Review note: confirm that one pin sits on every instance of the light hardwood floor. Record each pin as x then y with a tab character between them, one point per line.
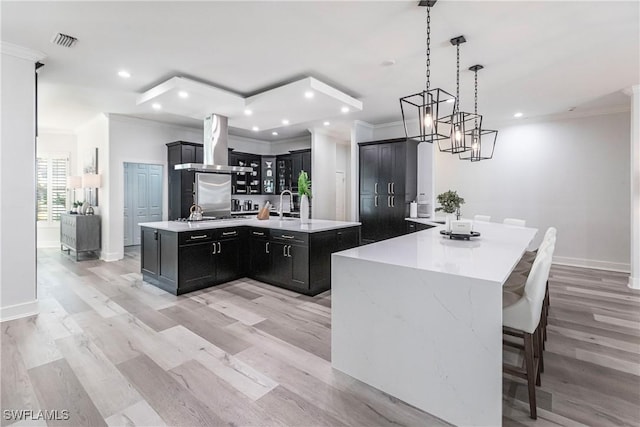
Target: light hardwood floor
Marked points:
113	350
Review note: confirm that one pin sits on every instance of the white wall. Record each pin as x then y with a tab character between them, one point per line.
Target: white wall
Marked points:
343	164
53	142
95	134
18	294
286	145
323	158
634	279
571	174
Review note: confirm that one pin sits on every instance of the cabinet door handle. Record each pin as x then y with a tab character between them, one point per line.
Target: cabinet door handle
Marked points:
393	201
155	235
376	201
203	236
229	233
393	188
284	250
286	236
375	188
388	201
266	248
219	247
289	251
215	248
388	187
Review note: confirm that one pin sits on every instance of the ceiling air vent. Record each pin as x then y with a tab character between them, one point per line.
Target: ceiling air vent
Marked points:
64	40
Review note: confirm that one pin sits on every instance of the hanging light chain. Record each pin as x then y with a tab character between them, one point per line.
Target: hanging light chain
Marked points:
475	105
457	106
428	76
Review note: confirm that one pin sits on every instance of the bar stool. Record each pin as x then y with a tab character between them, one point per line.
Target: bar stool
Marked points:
522	319
482	218
515	221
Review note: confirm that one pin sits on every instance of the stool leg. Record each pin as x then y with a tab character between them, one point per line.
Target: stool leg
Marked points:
539	352
531	375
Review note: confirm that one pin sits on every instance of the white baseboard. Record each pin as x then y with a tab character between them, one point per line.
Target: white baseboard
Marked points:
111	256
48	244
634	282
591	263
17	311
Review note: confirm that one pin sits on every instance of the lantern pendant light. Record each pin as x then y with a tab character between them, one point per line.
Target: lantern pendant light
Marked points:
458	140
483	141
423	112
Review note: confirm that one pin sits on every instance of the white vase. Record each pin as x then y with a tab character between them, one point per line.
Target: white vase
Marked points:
304	209
448	219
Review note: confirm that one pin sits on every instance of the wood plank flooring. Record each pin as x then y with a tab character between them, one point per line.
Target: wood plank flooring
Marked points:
113	350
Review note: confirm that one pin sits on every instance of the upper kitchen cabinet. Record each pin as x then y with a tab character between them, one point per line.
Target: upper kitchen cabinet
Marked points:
246	183
289	167
181	182
388	183
268	171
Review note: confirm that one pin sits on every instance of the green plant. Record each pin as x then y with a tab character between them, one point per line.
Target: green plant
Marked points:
449	202
77	204
304	184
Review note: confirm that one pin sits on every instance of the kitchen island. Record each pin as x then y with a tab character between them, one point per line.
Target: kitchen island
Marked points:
181	257
420	318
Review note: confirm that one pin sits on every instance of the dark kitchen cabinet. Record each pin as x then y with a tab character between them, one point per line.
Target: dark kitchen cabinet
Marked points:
284	173
159	257
413	227
181	182
259	254
245	183
228	256
300	161
196	265
388	183
149	253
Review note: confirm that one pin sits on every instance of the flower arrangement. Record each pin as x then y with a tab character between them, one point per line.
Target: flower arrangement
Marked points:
449	202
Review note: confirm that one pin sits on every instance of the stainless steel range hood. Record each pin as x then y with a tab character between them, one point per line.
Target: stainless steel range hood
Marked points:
216	154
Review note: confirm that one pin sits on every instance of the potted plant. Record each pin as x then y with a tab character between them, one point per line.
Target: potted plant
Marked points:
450	203
304	190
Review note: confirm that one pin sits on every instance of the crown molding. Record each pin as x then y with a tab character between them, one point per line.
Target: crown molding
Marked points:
363	124
569	115
21	52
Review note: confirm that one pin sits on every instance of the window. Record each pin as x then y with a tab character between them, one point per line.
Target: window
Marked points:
51	186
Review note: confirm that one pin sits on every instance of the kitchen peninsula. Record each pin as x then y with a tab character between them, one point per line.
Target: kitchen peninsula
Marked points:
181	257
420	318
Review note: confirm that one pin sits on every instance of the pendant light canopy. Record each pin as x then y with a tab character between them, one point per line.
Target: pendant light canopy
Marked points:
460	122
424	112
483	141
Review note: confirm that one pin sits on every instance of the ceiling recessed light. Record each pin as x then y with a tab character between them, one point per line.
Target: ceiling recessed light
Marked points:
285	122
326	123
308	94
248	112
451	101
517	115
255	128
388	62
183	94
124	74
274	133
156	106
345	109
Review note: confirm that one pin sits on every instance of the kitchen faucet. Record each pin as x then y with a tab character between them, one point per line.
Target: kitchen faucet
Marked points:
290	202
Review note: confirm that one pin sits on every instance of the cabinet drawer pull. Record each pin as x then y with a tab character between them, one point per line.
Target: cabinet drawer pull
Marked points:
229	233
286	236
257	233
203	236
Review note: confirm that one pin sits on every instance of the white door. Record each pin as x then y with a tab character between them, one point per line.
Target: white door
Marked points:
341	214
142	198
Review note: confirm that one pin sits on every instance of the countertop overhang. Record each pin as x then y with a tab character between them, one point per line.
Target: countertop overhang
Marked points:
289	224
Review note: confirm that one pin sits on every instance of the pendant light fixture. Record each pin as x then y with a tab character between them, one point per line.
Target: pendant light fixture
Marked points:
483	141
423	112
459	122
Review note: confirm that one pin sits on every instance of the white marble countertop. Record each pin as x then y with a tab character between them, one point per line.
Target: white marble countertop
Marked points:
492	256
288	224
428	221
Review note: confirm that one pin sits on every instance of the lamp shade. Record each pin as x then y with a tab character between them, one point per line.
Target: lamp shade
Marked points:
74	182
90	180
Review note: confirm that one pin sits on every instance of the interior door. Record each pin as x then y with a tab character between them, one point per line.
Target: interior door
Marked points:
141	198
128	202
143	188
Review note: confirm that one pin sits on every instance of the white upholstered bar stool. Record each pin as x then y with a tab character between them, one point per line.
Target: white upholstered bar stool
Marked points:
522	319
515	221
482	218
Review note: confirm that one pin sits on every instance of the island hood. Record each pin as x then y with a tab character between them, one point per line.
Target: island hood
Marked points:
216	153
